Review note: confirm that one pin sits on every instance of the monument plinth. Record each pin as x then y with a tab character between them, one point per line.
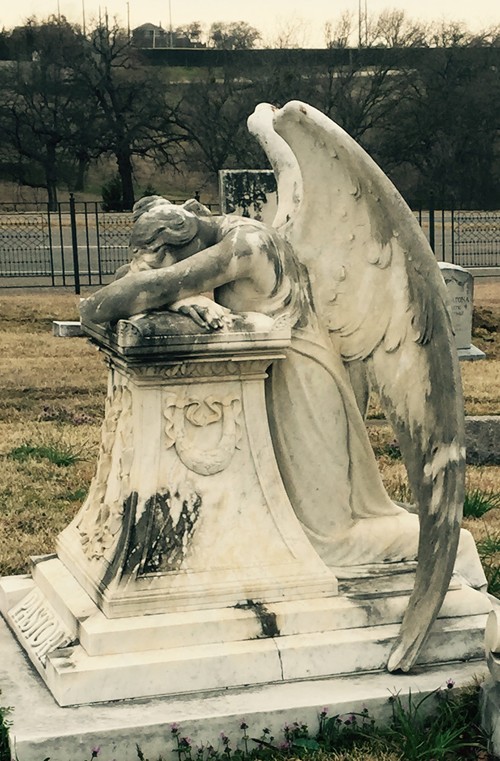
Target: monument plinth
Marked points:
187	510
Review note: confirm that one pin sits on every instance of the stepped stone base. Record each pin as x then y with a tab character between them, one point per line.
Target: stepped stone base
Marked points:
85	657
41	728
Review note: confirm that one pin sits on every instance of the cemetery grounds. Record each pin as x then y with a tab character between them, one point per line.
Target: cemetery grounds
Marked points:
52	393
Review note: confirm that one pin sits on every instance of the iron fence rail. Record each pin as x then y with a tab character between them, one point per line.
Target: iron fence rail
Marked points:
80	244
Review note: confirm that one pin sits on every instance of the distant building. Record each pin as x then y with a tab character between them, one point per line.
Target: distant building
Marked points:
153	36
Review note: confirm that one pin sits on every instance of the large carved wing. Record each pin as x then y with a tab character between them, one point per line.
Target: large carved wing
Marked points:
376	284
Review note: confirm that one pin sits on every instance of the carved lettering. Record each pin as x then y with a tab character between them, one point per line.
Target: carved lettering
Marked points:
41	628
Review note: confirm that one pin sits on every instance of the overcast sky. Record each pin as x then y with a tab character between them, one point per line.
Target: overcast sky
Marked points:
269	16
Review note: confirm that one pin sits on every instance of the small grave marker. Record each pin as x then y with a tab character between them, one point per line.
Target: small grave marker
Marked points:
460	284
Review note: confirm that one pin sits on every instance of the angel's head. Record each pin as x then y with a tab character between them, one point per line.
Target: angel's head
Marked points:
164	232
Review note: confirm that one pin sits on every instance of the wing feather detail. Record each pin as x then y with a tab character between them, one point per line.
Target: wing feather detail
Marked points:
350	221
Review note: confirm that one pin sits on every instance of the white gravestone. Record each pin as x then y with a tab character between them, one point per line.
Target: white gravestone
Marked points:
460	284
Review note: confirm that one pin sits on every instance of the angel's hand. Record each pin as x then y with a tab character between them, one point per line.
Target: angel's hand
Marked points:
205	312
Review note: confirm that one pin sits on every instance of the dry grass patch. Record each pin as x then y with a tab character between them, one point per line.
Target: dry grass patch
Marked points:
42	377
34	309
44	476
481	384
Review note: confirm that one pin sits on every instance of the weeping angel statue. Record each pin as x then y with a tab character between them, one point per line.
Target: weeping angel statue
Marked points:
349	265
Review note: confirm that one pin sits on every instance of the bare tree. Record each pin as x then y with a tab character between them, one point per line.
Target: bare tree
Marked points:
237	35
291	32
41	107
393	29
444	129
339	33
134	117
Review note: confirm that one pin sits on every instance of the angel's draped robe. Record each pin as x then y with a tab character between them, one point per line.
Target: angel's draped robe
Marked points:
328	466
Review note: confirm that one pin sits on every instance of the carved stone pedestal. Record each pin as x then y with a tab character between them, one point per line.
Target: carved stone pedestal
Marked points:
187	510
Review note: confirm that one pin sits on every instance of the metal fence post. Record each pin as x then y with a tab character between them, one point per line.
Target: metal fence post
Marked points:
452	212
74	242
432	228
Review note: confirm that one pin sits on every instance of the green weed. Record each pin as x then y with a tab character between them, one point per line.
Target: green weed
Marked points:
439	726
4	734
478	502
489	545
74	496
60	454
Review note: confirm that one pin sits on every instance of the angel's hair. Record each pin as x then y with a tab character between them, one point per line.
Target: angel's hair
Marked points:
146	204
163	225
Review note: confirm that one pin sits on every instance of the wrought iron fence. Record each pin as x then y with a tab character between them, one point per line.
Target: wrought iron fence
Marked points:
80	244
477	238
26	242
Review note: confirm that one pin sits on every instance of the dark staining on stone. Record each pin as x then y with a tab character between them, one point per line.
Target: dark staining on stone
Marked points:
155	543
266	618
166	542
118	564
271	249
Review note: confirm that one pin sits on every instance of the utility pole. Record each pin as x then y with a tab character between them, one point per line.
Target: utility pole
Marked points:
170	23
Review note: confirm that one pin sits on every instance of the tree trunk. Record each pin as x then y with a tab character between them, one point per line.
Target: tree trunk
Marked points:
51	177
124	161
82	166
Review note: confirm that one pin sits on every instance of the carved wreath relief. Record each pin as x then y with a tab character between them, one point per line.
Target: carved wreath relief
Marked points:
190	420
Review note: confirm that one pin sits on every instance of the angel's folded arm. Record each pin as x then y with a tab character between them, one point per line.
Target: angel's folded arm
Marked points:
142	291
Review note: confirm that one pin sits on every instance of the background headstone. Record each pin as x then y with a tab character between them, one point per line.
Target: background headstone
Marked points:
249	193
460	284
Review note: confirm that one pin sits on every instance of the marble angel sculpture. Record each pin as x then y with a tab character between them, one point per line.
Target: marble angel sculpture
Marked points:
348	264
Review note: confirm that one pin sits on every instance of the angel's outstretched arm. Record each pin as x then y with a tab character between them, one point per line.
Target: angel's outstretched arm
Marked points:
142	291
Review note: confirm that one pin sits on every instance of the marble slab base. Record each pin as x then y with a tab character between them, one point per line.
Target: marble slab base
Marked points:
67	329
85	657
471	353
41	728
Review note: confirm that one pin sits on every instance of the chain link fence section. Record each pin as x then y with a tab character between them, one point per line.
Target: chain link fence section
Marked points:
477	238
25	245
